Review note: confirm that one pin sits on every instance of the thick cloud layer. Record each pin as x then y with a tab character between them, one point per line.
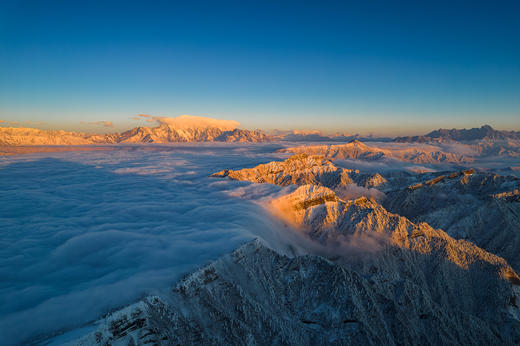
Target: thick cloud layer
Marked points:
82	233
86	232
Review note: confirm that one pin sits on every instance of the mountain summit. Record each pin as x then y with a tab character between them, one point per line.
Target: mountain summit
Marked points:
485	132
185	128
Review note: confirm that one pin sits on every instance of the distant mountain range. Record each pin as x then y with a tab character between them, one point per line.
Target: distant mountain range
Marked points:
356	150
164	133
200	129
485	132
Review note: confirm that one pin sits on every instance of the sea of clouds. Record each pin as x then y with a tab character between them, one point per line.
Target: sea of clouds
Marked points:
84	233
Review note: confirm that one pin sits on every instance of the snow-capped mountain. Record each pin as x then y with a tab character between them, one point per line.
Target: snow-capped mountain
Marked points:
352	150
485	132
303	169
357	150
180	129
27	136
167	133
421	287
478	206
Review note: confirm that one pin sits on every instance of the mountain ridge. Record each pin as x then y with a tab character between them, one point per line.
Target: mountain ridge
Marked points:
485	132
301	169
357	150
163	133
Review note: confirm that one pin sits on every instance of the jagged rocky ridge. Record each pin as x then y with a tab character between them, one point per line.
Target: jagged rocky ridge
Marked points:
161	134
258	296
167	134
356	150
478	206
485	132
303	169
326	217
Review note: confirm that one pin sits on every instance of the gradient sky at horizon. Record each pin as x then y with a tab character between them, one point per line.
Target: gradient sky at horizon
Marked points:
384	67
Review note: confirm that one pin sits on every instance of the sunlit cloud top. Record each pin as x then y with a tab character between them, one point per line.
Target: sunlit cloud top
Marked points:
193	121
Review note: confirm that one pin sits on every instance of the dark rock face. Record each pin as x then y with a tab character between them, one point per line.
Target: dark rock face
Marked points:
481	207
258	296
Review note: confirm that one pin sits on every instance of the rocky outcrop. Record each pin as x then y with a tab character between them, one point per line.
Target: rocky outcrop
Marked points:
238	135
303	169
161	134
485	132
481	207
324	216
357	150
168	134
258	296
352	150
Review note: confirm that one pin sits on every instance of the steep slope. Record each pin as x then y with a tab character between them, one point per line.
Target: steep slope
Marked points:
238	135
303	169
352	150
257	296
481	207
357	150
166	134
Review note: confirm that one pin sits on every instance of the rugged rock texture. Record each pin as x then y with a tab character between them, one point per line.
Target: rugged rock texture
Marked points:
481	207
256	296
326	216
303	169
162	134
166	134
485	132
357	150
353	150
238	135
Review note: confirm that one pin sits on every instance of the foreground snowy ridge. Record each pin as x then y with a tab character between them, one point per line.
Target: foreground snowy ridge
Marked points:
257	296
303	169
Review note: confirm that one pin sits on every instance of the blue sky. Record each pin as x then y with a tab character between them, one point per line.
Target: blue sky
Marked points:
385	67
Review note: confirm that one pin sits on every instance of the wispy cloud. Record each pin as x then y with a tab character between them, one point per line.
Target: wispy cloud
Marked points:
104	123
190	121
